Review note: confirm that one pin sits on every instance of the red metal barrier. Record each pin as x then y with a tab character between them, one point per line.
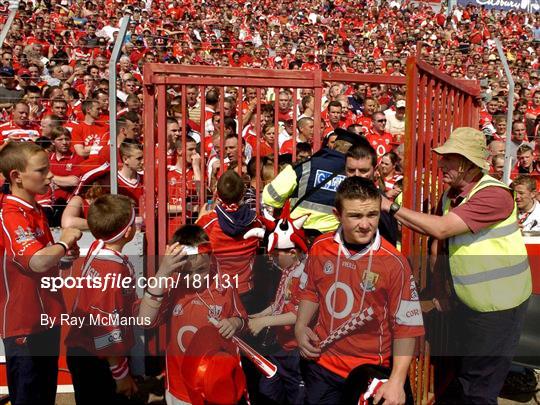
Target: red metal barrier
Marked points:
162	79
436	104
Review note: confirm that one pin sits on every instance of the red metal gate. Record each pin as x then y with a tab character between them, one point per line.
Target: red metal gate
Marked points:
436	104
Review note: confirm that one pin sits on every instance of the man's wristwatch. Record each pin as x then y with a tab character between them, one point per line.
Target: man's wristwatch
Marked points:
394	208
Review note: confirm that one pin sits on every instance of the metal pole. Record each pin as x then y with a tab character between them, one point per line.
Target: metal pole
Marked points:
7	25
509	113
450	9
112	101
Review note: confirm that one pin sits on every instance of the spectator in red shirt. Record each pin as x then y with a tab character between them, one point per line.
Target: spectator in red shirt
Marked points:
334	116
66	167
378	137
29	252
130	182
305	134
20	128
226	227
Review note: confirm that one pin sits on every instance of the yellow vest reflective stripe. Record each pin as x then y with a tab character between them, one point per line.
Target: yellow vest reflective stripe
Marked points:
283	186
490	269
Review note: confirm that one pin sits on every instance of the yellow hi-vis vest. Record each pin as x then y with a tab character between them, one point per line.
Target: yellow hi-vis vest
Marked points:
490	268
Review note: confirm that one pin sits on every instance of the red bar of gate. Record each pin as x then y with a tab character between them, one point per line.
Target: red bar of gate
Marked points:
436	104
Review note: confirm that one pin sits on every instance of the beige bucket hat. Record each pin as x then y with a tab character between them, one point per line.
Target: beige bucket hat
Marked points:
469	143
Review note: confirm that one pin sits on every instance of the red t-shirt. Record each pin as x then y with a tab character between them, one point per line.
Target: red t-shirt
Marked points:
16	132
95	136
336	280
485	208
381	143
101	333
24	232
69	165
133	189
235	255
175	194
185	312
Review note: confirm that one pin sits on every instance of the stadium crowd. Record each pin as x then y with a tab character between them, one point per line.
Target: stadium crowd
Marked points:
54	73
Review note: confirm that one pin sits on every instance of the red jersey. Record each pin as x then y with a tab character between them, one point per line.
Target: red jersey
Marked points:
366	122
104	311
234	254
13	131
185	311
24	232
175	194
94	136
67	165
133	189
337	280
381	143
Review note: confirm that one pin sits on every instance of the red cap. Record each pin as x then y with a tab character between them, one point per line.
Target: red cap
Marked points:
211	369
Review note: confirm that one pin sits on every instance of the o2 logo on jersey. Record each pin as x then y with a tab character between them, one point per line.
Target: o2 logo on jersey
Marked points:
368	281
332	185
328	267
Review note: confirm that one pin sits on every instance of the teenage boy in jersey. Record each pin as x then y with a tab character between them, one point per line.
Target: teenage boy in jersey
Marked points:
28	254
349	271
130	182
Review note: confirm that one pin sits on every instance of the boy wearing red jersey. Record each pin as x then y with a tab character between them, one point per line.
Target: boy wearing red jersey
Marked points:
199	294
351	271
226	226
98	347
28	255
177	190
130	182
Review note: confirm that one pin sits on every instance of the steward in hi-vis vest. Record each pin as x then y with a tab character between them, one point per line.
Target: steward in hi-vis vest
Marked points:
488	264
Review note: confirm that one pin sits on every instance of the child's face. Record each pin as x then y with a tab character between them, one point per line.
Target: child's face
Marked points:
36	178
284	258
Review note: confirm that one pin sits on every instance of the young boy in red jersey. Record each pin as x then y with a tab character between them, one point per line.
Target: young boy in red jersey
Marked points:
287	245
226	226
30	314
354	271
98	347
130	182
201	294
176	189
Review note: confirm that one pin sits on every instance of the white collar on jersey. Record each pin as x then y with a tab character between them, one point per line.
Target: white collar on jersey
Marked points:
375	245
20	201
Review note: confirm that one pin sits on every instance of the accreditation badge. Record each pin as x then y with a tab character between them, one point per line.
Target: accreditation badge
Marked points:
369	280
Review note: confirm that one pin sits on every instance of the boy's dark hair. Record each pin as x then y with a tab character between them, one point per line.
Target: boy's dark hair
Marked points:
190	235
363	150
15	156
126	148
303	147
230	187
108	215
356	188
178	143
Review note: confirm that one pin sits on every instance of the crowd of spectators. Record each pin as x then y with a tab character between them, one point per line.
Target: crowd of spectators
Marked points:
55	78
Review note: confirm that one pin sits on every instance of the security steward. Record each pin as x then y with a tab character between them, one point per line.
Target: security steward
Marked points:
312	186
488	263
